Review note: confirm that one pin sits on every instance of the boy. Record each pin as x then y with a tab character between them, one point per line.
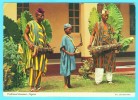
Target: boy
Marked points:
67	60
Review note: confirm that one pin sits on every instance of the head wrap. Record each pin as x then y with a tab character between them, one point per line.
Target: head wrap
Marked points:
67	25
40	10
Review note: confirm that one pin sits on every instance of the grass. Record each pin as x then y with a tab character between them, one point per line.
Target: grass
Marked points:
121	83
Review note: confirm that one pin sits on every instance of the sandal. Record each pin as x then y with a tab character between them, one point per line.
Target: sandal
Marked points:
39	88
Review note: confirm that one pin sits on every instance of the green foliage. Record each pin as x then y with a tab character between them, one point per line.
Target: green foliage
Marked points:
93	19
115	18
105	7
14	59
125	43
7	76
19	25
22	22
48	29
11	56
25	18
12	36
116	21
86	70
25	50
121	84
11	29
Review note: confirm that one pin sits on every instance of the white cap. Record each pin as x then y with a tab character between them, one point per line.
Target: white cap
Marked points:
105	11
67	25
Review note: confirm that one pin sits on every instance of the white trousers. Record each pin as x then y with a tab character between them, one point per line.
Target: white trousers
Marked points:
99	75
109	76
99	72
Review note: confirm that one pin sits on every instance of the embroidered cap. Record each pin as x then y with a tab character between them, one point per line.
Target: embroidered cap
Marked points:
67	25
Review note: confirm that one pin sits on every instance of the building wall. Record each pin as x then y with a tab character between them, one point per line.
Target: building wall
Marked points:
10	10
85	13
124	8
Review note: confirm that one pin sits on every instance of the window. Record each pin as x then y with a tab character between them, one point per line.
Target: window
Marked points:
74	15
21	7
132	19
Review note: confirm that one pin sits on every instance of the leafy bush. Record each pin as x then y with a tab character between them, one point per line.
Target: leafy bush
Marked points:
11	29
93	19
7	76
13	63
87	69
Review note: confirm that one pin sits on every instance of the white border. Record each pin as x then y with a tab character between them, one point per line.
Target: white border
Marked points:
69	94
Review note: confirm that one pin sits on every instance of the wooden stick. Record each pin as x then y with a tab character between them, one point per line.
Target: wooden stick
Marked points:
80	38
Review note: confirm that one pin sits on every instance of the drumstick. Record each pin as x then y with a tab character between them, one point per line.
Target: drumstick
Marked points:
80	38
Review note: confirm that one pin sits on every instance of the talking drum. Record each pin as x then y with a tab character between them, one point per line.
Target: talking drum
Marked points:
103	48
41	50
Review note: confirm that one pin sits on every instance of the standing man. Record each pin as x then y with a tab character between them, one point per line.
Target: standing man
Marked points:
105	61
35	37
